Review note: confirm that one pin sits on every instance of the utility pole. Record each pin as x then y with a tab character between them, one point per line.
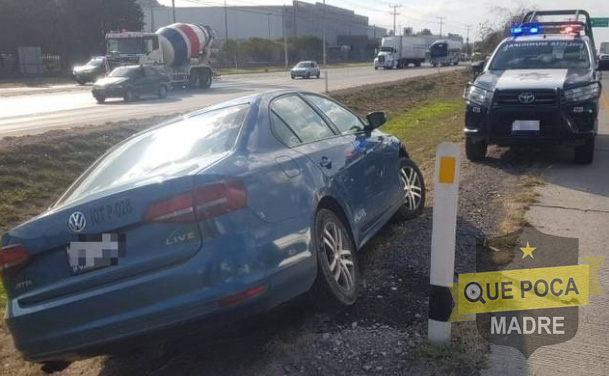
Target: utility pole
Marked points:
395	13
173	9
467	27
324	43
269	22
285	38
225	22
441	22
152	15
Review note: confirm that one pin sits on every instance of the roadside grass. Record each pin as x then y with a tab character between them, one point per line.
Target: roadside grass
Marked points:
466	350
518	204
35	82
35	170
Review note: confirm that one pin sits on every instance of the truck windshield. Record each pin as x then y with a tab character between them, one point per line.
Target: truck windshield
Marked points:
386	49
545	54
126	46
440	49
96	62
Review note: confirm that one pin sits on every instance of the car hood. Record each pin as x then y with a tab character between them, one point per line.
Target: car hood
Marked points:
108	81
533	78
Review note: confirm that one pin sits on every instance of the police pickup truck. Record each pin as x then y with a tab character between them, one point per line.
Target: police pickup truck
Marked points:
540	86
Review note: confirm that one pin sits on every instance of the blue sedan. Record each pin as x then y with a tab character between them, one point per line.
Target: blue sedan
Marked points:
235	208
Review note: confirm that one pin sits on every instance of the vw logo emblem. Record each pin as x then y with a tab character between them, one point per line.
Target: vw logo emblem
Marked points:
77	222
527	97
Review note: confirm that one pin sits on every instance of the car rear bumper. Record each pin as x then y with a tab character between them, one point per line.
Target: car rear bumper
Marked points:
230	277
568	125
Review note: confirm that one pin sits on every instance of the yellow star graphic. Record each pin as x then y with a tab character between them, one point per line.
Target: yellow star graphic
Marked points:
528	251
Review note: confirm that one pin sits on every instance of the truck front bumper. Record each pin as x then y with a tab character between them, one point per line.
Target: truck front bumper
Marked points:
570	124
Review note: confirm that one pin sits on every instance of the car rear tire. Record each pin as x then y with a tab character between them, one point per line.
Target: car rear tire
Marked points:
162	93
475	151
129	96
584	154
337	282
413	186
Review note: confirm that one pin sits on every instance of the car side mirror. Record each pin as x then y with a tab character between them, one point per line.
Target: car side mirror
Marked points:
376	119
478	67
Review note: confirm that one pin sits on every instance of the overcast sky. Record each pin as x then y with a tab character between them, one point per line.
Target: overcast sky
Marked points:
421	14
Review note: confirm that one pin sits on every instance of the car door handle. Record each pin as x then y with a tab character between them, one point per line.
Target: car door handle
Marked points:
325	162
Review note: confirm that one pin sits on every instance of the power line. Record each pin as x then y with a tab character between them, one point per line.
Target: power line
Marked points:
395	13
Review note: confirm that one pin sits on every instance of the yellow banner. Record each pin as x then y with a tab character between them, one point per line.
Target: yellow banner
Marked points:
522	289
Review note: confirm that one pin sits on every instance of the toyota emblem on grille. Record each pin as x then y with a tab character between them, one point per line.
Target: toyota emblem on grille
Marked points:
77	222
527	97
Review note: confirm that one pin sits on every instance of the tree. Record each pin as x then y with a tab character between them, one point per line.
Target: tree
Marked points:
424	32
492	32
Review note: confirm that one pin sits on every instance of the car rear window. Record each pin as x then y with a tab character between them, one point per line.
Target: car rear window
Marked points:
161	150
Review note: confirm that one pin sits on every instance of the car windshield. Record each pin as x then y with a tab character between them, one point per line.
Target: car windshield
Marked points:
544	54
303	64
96	62
176	146
129	72
126	46
386	49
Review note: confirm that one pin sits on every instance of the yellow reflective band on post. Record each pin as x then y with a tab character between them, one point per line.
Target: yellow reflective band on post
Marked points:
447	170
523	289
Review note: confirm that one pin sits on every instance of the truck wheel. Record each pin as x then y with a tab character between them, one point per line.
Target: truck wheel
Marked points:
417	64
162	93
584	154
475	151
205	80
337	282
376	68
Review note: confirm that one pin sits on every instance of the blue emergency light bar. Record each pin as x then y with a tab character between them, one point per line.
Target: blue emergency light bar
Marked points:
525	29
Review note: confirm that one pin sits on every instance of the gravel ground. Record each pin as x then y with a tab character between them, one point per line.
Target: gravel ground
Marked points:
383	333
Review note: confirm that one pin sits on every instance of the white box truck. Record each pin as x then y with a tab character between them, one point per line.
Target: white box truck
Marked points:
399	51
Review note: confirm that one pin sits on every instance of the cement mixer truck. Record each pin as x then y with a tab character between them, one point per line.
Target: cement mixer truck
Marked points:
182	49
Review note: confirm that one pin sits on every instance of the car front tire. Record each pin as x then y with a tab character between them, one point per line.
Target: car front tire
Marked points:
337	282
413	188
100	98
475	151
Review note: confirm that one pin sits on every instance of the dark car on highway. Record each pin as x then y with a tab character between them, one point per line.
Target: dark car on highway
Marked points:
540	86
225	211
132	81
94	70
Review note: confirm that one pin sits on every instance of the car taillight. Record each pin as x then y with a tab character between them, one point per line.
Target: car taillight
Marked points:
202	203
12	255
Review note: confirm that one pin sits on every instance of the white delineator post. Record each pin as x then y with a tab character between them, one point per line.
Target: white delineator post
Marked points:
443	239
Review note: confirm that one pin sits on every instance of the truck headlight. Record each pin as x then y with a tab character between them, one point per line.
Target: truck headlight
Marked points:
479	96
584	93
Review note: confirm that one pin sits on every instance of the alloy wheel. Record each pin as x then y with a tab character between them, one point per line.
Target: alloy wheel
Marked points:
411	184
338	255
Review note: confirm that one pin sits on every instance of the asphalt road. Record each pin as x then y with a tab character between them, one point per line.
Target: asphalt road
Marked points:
573	203
36	111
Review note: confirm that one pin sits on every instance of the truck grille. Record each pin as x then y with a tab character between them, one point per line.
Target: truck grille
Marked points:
512	98
381	59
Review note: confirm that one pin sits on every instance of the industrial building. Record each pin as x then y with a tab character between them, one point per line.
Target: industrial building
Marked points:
243	22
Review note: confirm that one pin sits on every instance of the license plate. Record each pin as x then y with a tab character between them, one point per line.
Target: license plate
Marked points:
92	252
525	126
